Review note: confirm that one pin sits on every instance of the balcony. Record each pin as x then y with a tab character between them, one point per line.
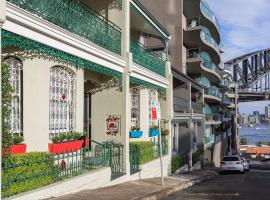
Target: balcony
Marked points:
199	62
212	118
197	107
146	59
77	18
212	95
225	101
200	36
180	105
209	139
207	12
201	10
209	40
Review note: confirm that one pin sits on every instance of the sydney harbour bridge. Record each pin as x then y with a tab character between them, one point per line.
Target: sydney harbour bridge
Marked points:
252	73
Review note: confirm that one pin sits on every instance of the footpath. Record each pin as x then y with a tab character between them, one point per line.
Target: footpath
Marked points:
146	189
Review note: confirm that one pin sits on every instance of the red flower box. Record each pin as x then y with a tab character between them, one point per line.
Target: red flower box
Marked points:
18	149
65	147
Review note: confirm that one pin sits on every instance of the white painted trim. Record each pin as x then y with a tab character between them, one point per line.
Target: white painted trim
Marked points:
149	76
30	26
149	20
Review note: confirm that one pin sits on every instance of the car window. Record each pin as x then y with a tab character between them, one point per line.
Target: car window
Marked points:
230	159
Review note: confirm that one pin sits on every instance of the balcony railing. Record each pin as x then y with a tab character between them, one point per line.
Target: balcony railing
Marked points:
212	117
196	53
226	101
209	40
180	105
147	59
197	107
213	92
209	13
77	18
209	139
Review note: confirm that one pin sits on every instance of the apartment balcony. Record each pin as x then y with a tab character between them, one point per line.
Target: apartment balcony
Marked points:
212	95
208	140
226	101
199	63
197	107
206	15
212	119
77	18
147	59
196	36
180	105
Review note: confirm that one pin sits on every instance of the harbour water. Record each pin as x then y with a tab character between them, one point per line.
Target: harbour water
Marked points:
256	133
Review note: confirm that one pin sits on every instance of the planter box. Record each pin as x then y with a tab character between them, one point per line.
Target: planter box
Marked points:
18	149
65	147
135	134
153	133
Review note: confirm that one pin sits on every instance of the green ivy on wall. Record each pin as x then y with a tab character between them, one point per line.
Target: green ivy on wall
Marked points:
7	91
36	49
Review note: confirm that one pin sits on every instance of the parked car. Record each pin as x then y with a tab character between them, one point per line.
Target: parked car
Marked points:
231	163
249	162
245	164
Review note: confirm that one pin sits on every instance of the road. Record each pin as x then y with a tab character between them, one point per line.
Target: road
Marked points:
253	185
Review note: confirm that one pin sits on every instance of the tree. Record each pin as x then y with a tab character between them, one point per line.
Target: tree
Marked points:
243	141
7	91
260	143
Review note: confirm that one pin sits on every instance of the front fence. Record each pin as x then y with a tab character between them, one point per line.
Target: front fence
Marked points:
30	171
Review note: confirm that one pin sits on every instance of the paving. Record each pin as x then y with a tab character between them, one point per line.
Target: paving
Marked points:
253	185
147	189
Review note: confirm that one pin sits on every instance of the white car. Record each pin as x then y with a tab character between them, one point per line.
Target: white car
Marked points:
231	163
245	164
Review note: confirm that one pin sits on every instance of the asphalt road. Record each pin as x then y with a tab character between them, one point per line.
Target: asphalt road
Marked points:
253	185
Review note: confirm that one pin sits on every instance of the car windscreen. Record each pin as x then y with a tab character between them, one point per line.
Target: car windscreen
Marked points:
230	159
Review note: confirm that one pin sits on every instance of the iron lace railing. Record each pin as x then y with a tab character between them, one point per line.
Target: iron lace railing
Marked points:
147	59
77	18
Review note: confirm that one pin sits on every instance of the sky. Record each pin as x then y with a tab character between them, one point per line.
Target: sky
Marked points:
245	27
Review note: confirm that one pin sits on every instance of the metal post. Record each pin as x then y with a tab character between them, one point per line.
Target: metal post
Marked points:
160	154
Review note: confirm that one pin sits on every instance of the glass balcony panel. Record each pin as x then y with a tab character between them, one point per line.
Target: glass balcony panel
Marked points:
147	59
207	38
209	13
76	18
213	91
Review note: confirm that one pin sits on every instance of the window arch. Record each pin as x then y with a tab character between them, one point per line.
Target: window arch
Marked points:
16	78
62	101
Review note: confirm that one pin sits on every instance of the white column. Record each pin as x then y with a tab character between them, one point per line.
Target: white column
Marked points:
169	104
125	84
2	20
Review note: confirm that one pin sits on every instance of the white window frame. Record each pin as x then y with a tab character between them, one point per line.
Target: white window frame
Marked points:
16	80
62	100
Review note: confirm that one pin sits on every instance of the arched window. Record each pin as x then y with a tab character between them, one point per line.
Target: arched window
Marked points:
16	79
62	101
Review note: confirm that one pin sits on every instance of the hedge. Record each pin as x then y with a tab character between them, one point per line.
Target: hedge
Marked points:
24	172
196	156
146	151
176	163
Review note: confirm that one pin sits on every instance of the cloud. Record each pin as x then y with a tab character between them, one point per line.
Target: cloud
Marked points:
245	25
